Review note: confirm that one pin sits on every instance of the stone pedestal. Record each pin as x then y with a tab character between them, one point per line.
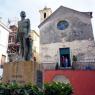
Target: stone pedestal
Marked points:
20	72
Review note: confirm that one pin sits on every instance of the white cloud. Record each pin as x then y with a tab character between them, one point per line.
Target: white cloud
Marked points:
12	8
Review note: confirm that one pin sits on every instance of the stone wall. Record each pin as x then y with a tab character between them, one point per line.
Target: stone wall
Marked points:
21	72
79	28
78	36
84	50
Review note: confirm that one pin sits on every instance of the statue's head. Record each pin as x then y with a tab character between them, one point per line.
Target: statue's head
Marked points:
23	14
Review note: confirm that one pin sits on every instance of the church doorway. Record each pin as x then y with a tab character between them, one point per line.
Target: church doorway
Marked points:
65	57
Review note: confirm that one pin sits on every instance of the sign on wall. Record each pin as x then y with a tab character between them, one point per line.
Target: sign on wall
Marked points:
39	80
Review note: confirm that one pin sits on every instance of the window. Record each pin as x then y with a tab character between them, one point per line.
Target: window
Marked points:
11	39
44	15
63	24
2	61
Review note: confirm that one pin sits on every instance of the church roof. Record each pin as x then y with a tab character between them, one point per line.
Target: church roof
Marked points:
87	14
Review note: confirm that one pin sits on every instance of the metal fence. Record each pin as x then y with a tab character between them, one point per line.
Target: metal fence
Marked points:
75	66
84	65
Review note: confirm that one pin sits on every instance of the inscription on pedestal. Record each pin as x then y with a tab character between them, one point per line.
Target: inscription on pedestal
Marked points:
20	72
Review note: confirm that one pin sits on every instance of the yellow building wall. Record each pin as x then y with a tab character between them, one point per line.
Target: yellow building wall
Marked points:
35	36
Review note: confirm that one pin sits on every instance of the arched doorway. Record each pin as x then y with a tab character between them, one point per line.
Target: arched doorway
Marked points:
61	78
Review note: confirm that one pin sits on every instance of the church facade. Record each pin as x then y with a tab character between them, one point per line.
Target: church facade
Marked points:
66	28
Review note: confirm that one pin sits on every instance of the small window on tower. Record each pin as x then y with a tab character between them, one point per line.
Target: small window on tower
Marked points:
44	15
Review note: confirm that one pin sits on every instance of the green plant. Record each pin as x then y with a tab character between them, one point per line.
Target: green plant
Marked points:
57	88
54	88
2	86
74	58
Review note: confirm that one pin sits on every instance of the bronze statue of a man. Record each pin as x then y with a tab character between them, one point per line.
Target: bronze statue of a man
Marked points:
24	38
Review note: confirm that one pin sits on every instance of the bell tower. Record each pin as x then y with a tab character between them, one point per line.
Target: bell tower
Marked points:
44	13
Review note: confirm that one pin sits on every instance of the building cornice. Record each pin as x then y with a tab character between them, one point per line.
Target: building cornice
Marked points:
4	26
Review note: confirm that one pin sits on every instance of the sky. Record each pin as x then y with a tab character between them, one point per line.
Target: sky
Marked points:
10	9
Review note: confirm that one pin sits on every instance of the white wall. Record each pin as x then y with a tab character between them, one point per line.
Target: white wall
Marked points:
4	34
